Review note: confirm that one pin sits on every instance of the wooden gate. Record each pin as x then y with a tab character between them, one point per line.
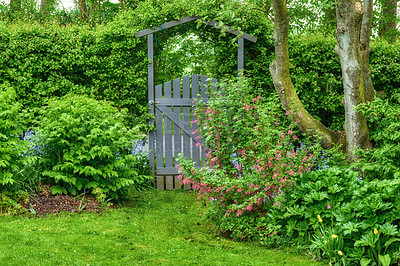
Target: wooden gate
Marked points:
171	103
174	132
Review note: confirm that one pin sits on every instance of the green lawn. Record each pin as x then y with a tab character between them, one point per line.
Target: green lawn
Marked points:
156	228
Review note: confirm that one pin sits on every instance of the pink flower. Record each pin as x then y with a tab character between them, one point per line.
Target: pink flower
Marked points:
291	172
294	137
329	206
249	207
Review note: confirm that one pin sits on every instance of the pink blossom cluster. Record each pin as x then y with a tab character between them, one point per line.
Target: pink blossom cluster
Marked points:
251	158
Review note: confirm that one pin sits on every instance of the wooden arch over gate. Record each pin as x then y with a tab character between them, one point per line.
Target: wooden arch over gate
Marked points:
162	100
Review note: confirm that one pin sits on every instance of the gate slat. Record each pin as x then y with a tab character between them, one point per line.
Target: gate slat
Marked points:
204	95
214	86
195	95
204	84
177	111
168	129
173	127
186	116
169	182
159	131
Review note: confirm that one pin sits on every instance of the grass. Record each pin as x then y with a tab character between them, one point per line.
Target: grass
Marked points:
158	228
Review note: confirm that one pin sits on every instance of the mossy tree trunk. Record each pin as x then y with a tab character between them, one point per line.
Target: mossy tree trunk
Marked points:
353	32
83	8
387	23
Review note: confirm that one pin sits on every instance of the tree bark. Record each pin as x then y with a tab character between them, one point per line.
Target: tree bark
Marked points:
366	50
83	8
387	23
43	6
349	15
353	35
283	84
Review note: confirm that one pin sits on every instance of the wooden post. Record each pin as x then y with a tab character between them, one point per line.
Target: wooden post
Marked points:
240	56
150	71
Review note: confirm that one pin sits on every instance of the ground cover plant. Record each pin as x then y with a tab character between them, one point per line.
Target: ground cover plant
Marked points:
156	227
288	190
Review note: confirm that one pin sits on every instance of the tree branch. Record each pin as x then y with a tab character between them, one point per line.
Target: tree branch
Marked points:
283	84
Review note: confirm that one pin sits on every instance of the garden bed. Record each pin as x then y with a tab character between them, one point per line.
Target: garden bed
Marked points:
44	202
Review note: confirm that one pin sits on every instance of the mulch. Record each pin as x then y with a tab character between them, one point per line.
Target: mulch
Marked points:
44	202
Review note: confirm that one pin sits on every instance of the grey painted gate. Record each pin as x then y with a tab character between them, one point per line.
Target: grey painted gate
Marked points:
171	103
174	132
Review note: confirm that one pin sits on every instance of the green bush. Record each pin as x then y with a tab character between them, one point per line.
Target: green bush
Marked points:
383	116
340	216
86	145
11	146
310	196
253	155
47	60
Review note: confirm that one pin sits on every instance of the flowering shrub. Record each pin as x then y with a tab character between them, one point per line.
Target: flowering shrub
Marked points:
253	154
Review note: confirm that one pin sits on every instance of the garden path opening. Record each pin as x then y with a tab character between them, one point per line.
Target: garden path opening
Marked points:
172	105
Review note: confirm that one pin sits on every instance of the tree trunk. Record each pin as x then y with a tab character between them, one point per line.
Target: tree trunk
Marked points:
43	6
350	28
365	50
283	84
83	9
387	23
352	34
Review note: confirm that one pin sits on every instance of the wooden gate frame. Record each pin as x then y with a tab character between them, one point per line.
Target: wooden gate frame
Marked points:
150	55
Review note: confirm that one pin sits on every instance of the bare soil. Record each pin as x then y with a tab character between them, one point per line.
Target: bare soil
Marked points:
44	202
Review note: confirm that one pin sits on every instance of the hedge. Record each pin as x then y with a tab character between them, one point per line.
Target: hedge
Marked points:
45	60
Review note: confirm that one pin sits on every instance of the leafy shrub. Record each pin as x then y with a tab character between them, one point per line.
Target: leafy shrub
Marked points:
253	155
86	145
318	192
11	147
383	116
340	216
12	203
48	60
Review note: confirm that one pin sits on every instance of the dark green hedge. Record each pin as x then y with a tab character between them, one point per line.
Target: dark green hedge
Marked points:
107	62
42	61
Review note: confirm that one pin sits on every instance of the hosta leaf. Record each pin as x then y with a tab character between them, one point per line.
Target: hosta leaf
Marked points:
385	260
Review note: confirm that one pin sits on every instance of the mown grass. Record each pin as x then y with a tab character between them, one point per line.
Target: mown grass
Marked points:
156	228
